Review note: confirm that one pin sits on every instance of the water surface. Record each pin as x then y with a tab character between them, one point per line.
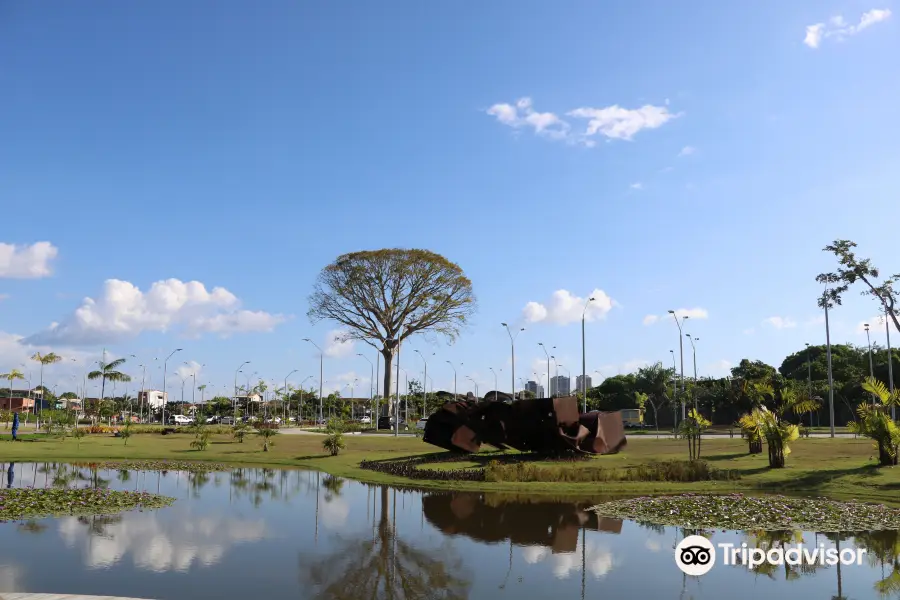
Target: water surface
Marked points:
265	533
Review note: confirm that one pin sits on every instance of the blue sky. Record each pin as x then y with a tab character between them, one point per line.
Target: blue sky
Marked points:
673	155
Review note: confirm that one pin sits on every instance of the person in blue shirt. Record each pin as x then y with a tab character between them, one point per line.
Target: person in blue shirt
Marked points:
15	426
10	475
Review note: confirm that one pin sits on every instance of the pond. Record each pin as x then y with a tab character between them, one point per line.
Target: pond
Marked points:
269	534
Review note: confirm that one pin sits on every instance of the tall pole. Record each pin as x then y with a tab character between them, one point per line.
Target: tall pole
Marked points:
454	378
674	389
234	398
808	373
681	353
424	382
694	349
871	368
141	405
547	354
890	357
397	406
828	351
512	344
495	382
475	384
321	375
583	359
377	377
165	384
286	391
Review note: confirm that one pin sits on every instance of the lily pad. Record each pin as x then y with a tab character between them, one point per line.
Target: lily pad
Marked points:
156	465
740	512
31	503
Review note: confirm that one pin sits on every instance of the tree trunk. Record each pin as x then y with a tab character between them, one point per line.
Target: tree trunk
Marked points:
776	457
388	356
756	446
884	457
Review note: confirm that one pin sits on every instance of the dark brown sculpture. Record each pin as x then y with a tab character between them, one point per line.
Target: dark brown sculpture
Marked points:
542	425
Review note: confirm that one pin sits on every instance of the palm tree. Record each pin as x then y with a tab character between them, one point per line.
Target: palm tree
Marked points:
108	372
45	359
875	421
11	376
771	424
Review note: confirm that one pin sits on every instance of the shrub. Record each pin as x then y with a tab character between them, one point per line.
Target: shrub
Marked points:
672	471
78	433
201	440
334	443
266	431
239	431
125	432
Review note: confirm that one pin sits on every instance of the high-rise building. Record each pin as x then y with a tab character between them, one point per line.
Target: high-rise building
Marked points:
560	386
578	386
535	388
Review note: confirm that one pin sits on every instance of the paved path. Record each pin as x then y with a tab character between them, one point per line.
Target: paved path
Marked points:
4	596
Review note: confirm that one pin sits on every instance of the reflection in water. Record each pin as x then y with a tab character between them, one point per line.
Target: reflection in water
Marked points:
10	474
384	566
156	545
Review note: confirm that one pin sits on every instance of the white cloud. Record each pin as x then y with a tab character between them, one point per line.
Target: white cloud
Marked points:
611	122
564	308
599	561
876	324
690	313
637	186
814	35
191	368
123	312
27	262
840	30
687	150
780	322
14	352
615	122
337	345
522	114
719	368
652	545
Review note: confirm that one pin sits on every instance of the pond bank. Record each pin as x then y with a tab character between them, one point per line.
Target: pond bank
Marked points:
840	468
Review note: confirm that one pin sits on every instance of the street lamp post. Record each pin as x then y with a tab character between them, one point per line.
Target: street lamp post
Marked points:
547	354
583	358
234	398
495	382
825	304
166	384
890	357
694	349
512	344
681	353
871	368
452	366
300	402
286	392
321	368
424	382
674	390
475	384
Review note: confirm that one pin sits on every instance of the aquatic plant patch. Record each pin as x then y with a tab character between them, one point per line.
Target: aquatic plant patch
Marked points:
156	465
410	468
741	512
29	503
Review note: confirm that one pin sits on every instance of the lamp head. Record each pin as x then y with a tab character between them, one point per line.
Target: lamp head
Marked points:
504	324
671	312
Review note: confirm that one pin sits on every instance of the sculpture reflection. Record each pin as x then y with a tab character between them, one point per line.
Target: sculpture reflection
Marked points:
491	518
384	566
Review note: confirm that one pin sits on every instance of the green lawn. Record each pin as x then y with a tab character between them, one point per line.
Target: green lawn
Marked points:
841	467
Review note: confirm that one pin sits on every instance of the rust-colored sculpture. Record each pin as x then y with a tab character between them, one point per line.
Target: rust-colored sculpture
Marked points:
542	425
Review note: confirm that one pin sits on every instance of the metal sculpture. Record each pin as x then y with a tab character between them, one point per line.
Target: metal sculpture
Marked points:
542	425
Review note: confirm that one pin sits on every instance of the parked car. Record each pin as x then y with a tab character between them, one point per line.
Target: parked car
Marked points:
227	420
388	423
421	423
212	420
368	420
181	420
276	420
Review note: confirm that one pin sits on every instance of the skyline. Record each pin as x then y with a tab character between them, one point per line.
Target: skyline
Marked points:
177	177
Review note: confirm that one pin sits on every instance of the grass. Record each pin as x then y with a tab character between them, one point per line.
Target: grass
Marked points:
840	467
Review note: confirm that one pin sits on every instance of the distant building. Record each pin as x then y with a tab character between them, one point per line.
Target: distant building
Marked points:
153	398
578	386
560	386
245	399
535	388
17	404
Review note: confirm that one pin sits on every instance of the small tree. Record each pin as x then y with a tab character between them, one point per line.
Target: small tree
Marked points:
126	432
78	433
875	421
334	440
201	440
239	431
692	429
266	431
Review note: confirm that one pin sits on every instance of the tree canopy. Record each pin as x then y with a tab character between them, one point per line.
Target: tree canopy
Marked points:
382	297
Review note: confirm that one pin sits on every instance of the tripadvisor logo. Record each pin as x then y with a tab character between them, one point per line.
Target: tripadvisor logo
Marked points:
695	555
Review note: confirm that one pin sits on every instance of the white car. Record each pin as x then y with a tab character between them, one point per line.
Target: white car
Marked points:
366	420
182	420
421	423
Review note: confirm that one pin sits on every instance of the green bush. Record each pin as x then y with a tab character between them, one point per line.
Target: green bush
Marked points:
672	471
334	443
201	440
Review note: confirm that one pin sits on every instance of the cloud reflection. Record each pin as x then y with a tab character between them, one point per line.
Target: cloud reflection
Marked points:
156	545
598	560
10	575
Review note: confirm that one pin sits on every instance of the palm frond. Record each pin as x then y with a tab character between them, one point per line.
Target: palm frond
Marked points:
873	386
112	366
95	375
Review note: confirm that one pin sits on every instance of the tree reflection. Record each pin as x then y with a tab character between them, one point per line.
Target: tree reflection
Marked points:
883	548
780	539
97	524
31	526
384	567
